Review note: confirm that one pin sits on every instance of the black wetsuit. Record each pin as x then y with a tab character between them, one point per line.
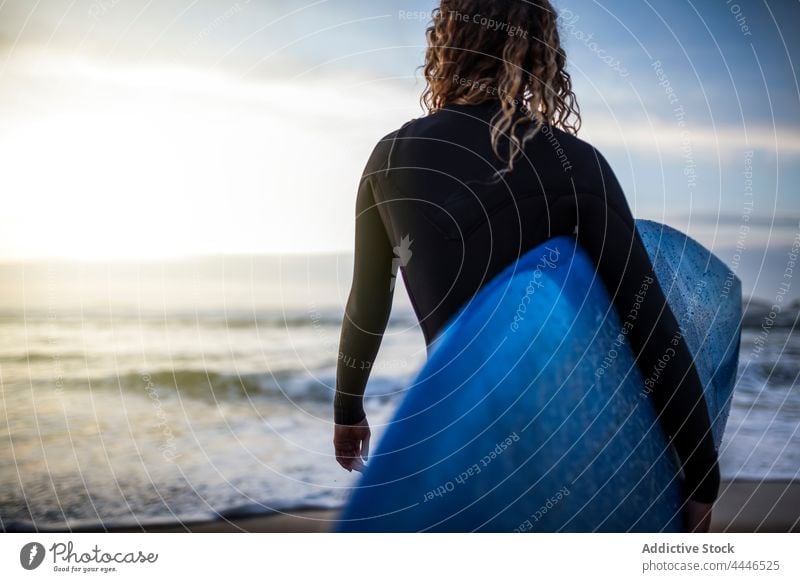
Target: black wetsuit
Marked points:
427	204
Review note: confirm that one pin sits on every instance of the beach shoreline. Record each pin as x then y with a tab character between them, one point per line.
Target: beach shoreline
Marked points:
744	506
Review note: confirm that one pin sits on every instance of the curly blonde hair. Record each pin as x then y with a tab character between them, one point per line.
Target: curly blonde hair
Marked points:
509	50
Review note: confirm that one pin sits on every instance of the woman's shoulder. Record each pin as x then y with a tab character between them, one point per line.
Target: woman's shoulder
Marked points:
579	155
569	142
380	157
391	143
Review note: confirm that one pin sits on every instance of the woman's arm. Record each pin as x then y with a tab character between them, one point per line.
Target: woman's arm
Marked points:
368	308
607	231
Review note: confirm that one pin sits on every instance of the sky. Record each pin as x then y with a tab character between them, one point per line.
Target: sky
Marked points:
173	128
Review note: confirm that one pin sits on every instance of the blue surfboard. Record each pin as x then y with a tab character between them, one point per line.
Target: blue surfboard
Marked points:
527	416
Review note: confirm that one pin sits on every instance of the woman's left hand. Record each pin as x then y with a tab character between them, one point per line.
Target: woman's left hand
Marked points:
351	443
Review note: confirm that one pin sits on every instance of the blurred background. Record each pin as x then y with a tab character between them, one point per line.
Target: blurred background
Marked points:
178	190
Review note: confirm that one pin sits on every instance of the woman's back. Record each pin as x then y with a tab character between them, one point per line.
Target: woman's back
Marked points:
434	185
452	198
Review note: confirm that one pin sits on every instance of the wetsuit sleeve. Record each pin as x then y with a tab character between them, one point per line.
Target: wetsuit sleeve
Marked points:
606	230
368	307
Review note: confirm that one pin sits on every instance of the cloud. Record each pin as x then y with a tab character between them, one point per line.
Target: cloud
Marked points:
201	160
729	219
668	140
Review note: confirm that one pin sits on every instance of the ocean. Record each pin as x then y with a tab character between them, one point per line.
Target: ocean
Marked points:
198	389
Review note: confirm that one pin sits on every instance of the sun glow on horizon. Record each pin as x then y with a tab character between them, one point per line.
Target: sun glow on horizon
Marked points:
103	162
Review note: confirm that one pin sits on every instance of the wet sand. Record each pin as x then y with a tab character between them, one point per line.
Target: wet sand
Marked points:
743	506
